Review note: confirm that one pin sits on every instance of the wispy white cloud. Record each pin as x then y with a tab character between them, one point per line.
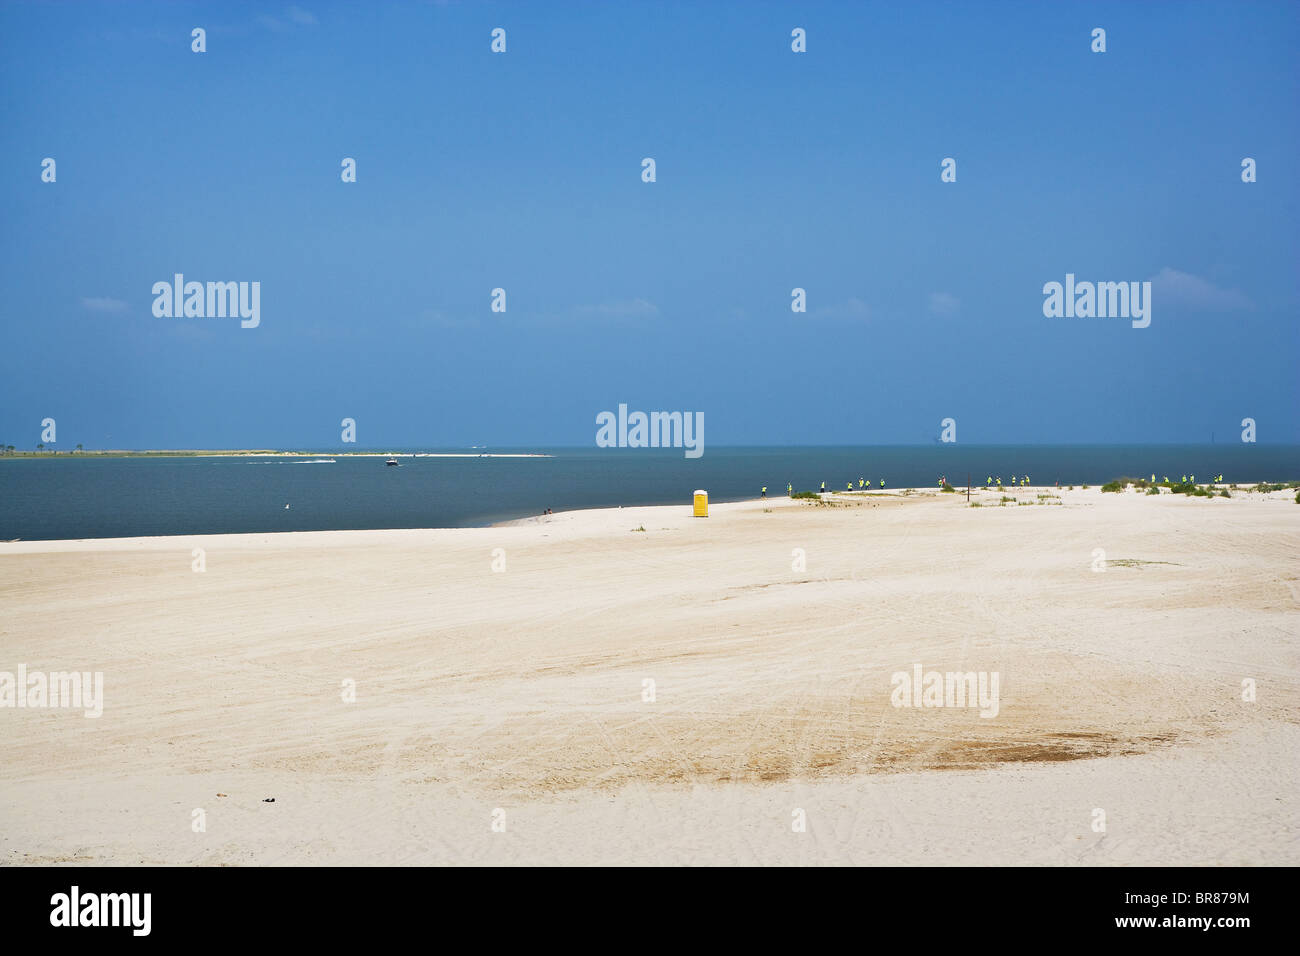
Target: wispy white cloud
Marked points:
943	303
294	16
103	304
1171	287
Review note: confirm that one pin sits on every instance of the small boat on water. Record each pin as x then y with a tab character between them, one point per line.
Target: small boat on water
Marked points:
393	462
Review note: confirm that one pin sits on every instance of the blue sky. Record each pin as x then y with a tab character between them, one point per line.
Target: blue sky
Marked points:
522	170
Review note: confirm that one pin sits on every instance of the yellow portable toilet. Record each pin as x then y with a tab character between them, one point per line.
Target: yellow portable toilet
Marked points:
701	504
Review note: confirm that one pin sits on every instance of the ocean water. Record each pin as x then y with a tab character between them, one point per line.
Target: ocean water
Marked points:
87	497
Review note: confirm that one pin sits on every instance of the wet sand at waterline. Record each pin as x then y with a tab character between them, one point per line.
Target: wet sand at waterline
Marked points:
522	696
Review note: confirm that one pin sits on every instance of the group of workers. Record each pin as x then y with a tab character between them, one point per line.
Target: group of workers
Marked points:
990	481
864	484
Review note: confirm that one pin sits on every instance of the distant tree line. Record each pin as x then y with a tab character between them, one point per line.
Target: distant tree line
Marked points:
10	449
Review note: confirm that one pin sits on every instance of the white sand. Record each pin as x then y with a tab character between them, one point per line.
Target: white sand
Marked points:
522	690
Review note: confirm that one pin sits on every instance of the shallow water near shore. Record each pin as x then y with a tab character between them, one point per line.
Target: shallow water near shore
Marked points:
88	497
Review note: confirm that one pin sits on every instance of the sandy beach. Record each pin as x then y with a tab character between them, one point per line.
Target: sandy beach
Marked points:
637	686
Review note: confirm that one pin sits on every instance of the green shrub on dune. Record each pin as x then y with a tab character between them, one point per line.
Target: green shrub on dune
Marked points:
1191	490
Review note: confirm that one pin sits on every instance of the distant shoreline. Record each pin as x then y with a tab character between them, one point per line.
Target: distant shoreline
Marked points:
264	453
